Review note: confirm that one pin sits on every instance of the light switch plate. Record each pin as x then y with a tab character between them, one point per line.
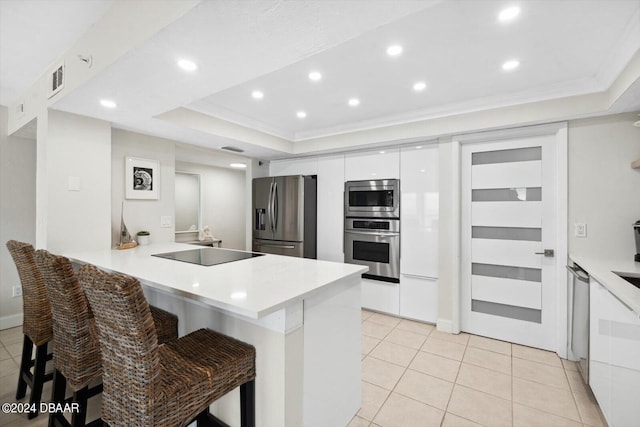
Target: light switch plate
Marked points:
580	229
16	291
166	221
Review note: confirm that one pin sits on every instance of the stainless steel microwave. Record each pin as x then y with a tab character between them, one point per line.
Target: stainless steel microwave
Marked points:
378	198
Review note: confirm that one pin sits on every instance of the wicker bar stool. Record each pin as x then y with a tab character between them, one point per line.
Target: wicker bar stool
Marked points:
146	384
77	359
36	325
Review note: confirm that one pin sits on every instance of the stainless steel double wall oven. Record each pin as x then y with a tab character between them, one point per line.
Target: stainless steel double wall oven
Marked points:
372	227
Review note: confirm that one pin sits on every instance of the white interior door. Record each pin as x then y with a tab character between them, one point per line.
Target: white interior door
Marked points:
508	219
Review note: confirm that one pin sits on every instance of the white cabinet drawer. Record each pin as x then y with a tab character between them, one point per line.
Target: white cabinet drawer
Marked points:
381	296
419	298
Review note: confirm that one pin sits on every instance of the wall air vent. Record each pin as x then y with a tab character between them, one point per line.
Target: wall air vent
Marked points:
56	80
234	149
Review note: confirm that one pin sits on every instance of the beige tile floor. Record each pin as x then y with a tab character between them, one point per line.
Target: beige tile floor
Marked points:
413	375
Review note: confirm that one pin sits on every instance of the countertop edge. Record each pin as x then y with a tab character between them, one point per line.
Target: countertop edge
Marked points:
602	270
255	314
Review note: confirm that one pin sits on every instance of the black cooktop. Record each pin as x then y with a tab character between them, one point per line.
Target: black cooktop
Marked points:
208	256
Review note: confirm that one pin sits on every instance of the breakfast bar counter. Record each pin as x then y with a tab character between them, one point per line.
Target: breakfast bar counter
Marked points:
302	316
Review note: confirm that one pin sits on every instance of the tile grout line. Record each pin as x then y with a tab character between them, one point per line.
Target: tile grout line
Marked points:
526	404
403	373
455	381
573	396
512	397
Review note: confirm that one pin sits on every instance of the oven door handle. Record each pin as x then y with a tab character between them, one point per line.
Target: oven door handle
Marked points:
373	233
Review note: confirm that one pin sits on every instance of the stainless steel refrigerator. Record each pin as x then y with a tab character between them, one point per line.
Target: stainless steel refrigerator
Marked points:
284	215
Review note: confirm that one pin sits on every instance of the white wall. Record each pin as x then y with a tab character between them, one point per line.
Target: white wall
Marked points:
223	202
18	214
142	214
77	148
604	192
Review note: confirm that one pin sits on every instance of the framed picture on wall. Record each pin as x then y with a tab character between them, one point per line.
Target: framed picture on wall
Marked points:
142	178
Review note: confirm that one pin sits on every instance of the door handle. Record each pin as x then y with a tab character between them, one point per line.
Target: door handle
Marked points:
373	233
547	252
275	206
578	274
267	245
270	207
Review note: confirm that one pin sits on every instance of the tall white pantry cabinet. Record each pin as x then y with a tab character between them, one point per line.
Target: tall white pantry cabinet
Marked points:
419	219
416	296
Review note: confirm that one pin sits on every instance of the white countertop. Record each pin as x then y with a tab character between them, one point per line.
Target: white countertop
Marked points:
602	270
253	287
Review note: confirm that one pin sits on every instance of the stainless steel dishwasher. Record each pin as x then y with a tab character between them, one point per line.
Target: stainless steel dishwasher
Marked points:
578	319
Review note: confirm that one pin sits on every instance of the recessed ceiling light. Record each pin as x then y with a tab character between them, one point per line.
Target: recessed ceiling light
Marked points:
419	86
107	103
510	65
315	76
418	147
508	14
238	165
187	65
394	50
381	152
256	94
354	102
301	114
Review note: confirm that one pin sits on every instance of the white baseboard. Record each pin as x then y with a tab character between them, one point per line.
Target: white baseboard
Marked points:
12	321
445	325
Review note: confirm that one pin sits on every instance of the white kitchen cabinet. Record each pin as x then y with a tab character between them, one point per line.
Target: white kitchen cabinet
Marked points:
614	360
419	298
381	296
330	208
379	164
306	166
419	211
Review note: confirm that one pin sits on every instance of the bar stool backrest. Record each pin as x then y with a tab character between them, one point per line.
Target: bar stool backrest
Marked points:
37	323
128	342
77	353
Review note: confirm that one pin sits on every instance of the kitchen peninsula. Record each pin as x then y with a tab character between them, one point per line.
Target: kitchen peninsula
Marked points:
302	316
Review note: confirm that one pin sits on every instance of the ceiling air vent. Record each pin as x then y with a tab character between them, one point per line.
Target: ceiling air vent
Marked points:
57	80
234	149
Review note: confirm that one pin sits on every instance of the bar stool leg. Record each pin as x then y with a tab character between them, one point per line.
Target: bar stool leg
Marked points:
25	365
248	404
38	379
57	396
79	418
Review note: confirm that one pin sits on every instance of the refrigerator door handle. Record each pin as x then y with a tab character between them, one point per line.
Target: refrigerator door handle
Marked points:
270	207
268	245
275	206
